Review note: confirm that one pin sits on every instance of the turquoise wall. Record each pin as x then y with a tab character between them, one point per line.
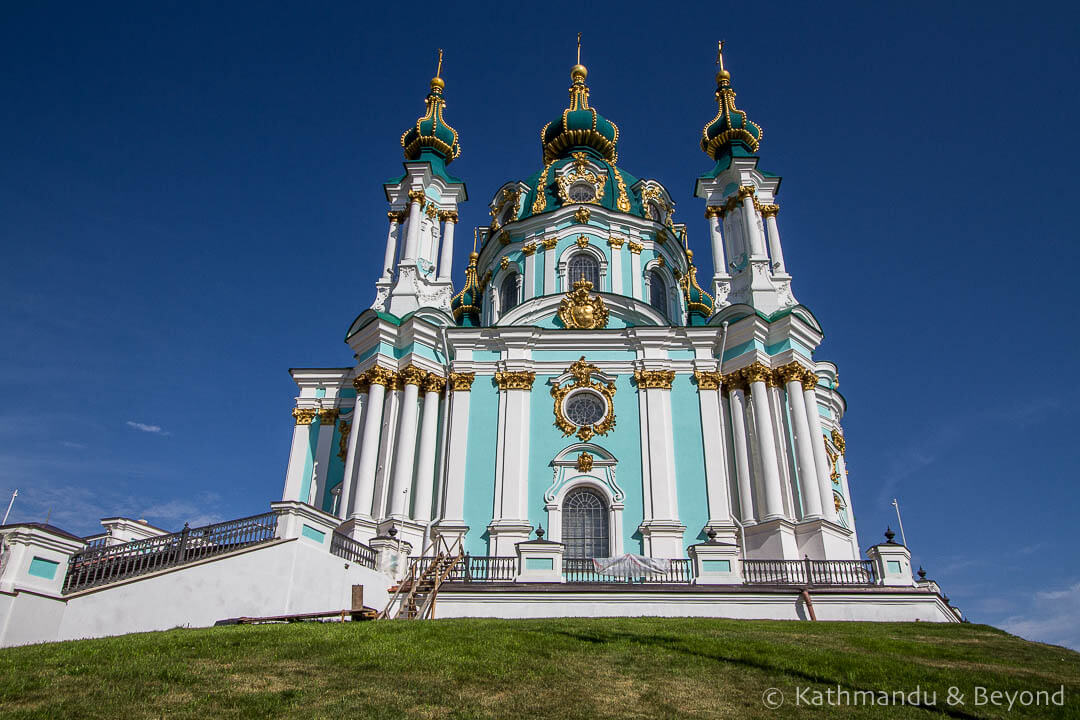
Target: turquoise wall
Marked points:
480	463
336	472
689	459
309	458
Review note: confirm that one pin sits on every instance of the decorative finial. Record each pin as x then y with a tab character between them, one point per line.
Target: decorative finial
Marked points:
475	233
392	532
720	55
579	73
711	535
540	532
889	534
579	48
921	573
437	83
438	68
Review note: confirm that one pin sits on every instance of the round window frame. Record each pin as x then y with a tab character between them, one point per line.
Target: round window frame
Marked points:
581	184
599	396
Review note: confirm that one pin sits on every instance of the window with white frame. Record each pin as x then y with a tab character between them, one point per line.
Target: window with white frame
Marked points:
508	292
585	531
582	265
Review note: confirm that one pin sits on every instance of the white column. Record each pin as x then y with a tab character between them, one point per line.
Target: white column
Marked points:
364	493
327	421
391	245
616	265
716	484
348	483
405	448
821	460
549	265
740	441
298	454
446	252
809	484
712	214
453	504
637	282
757	243
511	521
425	456
530	271
775	251
758	375
412	234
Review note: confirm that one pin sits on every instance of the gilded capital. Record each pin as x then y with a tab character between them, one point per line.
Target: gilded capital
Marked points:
654	378
434	383
508	380
615	241
449	216
791	372
380	376
528	248
714	211
304	416
418	196
412	375
809	380
328	416
707	380
635	248
746	191
361	383
461	381
393	216
768	210
550	243
757	373
734	380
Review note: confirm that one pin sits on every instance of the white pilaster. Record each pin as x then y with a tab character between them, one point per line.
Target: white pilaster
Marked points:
412	234
298	454
775	250
425	456
446	252
740	443
763	424
663	533
716	483
530	273
391	246
809	483
364	492
637	281
405	448
821	460
510	524
616	245
452	522
327	421
348	483
750	218
549	265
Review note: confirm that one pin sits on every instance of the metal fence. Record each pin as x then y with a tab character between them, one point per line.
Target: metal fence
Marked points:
583	571
809	572
345	547
100	565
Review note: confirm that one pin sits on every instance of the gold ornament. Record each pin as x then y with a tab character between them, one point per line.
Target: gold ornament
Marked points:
522	380
504	262
412	375
809	380
581	311
582	373
304	416
418	196
434	383
461	381
328	416
769	210
615	242
635	248
380	376
343	439
550	243
661	379
361	383
584	462
582	215
791	372
839	442
708	380
757	373
582	241
746	191
529	248
623	202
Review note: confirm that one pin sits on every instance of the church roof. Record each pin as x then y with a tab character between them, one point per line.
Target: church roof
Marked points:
731	131
431	136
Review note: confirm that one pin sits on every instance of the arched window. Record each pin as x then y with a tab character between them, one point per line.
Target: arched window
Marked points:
583	265
585	525
657	292
508	292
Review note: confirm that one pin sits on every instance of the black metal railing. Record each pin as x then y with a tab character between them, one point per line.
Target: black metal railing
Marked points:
680	572
100	565
345	547
476	568
809	572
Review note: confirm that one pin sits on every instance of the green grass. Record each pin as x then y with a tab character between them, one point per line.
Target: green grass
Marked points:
572	668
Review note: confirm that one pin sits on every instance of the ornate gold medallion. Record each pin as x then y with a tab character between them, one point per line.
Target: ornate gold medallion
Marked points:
581	311
604	392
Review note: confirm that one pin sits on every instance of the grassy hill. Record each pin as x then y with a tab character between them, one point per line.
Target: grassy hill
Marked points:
573	668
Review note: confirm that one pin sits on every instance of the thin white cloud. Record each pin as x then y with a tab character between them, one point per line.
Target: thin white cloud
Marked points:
1050	618
73	445
143	427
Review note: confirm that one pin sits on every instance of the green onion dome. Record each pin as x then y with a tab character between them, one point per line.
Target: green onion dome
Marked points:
466	304
431	134
698	302
730	126
579	126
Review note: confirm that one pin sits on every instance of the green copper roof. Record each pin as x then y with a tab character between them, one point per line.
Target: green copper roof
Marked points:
579	126
431	134
731	126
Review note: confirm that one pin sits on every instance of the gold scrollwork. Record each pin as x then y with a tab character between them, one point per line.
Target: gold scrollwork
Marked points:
581	311
615	241
515	380
623	202
343	438
412	375
582	380
434	383
550	243
758	373
635	248
582	215
581	173
839	442
461	381
661	379
529	248
540	203
418	196
328	416
582	241
380	376
584	462
708	380
304	416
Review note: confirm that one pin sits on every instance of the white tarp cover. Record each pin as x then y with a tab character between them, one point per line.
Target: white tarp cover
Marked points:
631	566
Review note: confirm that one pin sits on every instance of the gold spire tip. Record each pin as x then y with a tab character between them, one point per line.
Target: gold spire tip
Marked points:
437	81
722	75
578	71
475	232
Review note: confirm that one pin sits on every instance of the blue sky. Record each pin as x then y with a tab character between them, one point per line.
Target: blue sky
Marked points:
191	203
